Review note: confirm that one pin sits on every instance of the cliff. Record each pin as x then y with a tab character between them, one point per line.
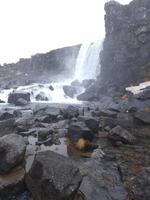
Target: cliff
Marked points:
40	67
125	59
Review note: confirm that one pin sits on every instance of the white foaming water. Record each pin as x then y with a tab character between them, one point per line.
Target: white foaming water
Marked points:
87	67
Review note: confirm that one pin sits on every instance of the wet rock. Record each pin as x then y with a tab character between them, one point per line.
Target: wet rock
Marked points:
70	91
23	124
107	122
12	149
21	102
144	94
70	112
87	83
125	120
119	134
76	83
139	186
92	124
12	183
79	130
143	116
51	88
43	133
52	176
102	181
41	97
104	113
6	116
19	98
7	126
2	101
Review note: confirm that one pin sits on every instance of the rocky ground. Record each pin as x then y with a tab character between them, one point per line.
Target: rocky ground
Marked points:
90	151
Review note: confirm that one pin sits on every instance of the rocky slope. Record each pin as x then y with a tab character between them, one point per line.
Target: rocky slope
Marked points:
40	67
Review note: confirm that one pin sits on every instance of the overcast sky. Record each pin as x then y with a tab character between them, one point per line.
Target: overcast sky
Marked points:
28	27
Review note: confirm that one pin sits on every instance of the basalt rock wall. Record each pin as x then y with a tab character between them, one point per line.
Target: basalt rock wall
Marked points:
125	59
40	67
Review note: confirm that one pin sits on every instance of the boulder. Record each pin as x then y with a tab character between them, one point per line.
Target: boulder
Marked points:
144	94
79	130
70	91
41	97
143	116
1	101
6	115
119	134
69	112
7	126
52	176
87	83
12	184
12	149
139	187
92	124
19	98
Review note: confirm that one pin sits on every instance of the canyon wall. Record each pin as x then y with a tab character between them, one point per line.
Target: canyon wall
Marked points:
40	67
125	59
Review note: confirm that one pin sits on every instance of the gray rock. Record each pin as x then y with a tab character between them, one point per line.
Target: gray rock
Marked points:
70	91
79	130
139	187
19	98
92	123
7	126
6	115
12	149
144	94
41	97
12	184
119	134
52	176
143	116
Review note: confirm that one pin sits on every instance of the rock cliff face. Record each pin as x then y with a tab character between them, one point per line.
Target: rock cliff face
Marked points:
39	67
125	59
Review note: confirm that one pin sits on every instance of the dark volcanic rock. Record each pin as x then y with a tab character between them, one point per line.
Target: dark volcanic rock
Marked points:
40	67
12	183
5	116
79	130
139	187
41	97
7	126
125	57
70	91
143	116
121	135
144	94
2	101
52	176
92	124
12	149
70	112
19	98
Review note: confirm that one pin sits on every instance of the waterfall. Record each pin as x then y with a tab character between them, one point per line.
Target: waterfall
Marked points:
87	65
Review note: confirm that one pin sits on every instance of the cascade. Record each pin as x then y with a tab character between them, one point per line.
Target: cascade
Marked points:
87	67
